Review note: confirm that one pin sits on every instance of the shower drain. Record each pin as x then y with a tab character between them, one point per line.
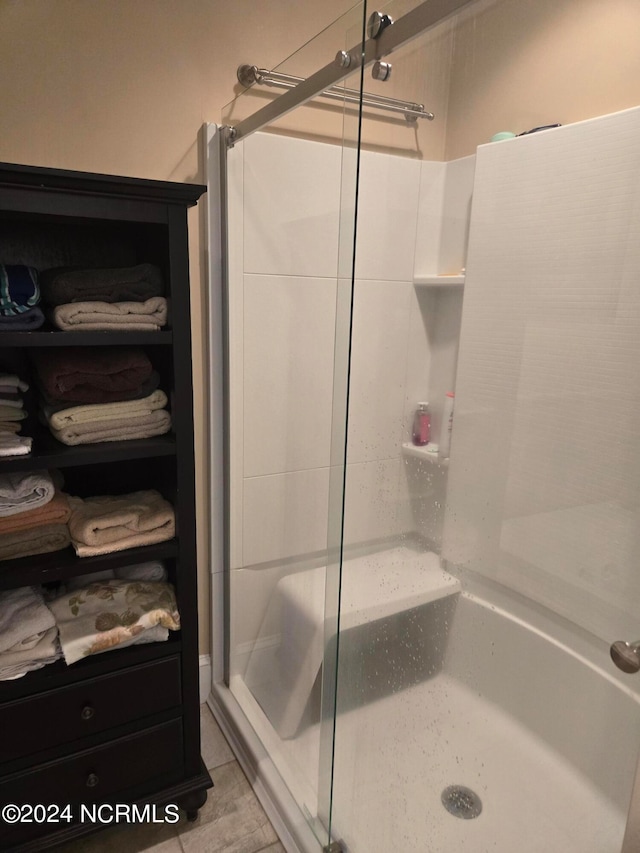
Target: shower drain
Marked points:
461	802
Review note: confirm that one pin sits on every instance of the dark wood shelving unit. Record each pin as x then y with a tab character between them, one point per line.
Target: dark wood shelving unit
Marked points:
51	218
86	339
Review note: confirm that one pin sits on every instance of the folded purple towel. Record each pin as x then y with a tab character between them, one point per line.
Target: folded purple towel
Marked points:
19	289
92	374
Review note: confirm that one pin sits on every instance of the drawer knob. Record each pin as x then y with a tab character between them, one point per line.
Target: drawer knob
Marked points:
92	780
87	712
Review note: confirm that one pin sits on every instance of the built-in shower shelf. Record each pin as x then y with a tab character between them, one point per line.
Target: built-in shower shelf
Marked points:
438	280
424	453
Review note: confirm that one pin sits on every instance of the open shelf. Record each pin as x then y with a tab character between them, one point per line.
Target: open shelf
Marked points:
59	565
415	452
48	452
83	339
433	280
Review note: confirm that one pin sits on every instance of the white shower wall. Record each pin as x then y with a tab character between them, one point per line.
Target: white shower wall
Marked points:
283	284
544	491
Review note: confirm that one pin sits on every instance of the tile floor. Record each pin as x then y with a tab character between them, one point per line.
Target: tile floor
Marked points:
231	821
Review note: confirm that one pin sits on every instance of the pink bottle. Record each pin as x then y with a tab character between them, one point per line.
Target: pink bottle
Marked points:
422	425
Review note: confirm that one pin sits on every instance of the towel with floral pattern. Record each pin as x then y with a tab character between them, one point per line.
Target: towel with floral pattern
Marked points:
107	614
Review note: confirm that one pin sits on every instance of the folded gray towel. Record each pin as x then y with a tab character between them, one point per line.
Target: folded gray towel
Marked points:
20	492
154	570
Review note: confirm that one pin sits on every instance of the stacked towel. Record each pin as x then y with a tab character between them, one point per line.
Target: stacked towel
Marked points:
28	635
92	374
147	316
91	424
21	492
94	394
128	299
147	387
33	515
112	614
19	298
12	413
55	511
104	524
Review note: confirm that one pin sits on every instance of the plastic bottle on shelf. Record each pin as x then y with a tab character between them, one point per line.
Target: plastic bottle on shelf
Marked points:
421	425
447	425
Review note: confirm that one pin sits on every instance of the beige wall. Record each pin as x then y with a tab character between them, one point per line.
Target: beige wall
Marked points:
123	87
520	64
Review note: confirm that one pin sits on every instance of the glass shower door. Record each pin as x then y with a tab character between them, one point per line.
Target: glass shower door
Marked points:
486	573
291	219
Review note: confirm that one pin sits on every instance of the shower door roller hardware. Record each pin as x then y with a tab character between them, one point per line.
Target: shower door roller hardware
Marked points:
378	22
626	656
381	70
343	59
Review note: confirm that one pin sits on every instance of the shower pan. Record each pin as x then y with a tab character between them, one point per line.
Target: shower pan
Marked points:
432	647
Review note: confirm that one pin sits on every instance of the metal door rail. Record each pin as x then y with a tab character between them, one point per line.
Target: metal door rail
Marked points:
402	31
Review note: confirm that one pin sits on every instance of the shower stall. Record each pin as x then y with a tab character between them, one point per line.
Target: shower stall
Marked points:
427	640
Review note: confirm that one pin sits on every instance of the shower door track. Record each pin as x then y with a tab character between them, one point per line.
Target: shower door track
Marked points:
392	37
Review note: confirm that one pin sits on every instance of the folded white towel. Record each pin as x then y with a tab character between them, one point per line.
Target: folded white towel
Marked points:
24	618
15	664
14	445
20	492
11	382
14	404
104	412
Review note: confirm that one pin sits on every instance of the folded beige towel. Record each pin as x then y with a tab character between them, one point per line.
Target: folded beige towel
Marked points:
10	426
100	412
113	613
57	511
146	316
108	523
20	492
118	429
11	413
34	540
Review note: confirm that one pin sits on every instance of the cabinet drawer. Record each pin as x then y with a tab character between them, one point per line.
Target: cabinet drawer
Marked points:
144	761
62	716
